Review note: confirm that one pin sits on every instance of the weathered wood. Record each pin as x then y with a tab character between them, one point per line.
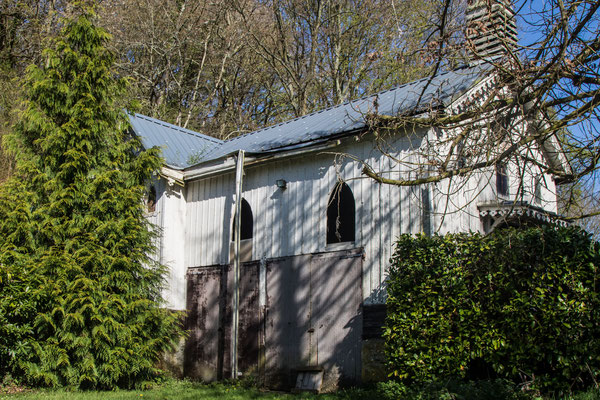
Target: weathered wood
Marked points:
313	317
202	358
209	322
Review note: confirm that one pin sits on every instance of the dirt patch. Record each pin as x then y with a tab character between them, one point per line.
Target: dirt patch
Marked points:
13	389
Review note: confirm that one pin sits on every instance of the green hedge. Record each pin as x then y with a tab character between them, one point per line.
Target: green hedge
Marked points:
517	304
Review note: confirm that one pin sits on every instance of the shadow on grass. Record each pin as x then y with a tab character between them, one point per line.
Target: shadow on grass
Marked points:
185	390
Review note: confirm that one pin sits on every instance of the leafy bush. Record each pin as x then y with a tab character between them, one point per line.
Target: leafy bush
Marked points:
453	390
591	394
517	304
80	303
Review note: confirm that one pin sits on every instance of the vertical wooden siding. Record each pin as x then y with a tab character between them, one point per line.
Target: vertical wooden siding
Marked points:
207	353
293	221
311	318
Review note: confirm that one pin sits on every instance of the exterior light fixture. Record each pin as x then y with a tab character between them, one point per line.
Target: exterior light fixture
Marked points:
281	184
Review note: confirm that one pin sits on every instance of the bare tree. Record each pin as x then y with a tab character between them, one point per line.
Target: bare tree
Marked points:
326	52
537	111
226	68
24	26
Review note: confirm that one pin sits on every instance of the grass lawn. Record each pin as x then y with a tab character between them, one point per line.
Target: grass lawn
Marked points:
184	391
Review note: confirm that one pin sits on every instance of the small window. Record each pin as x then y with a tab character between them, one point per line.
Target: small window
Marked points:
537	190
340	215
501	180
426	211
246	223
151	200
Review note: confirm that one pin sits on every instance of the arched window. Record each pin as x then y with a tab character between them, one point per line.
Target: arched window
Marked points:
340	215
246	223
151	199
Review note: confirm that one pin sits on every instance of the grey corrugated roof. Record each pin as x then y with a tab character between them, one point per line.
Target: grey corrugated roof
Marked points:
180	147
410	98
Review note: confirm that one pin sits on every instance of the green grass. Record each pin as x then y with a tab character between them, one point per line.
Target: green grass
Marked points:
183	390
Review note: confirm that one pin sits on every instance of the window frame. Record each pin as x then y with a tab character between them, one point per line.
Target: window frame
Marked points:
341	206
502	180
247	218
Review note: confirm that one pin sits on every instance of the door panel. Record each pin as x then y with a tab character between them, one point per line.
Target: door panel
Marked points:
313	317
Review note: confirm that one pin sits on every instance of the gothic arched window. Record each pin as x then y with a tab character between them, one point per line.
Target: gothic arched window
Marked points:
341	215
246	222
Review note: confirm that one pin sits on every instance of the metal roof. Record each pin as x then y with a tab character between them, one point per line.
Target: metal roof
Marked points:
180	147
407	99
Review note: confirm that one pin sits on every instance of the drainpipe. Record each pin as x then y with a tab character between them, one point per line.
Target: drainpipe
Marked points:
239	175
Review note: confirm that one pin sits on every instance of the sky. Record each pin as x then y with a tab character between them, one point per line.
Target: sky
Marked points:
532	25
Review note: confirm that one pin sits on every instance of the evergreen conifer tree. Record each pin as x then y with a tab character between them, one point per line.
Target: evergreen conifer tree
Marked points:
80	302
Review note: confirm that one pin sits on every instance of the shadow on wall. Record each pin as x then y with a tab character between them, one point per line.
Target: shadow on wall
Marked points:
312	318
313	315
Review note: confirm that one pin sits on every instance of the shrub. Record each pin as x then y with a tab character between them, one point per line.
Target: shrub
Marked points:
516	304
80	303
453	390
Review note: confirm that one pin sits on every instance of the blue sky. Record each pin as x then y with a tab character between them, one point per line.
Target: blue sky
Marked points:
532	26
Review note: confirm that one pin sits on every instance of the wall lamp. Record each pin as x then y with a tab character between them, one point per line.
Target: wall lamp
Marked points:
281	184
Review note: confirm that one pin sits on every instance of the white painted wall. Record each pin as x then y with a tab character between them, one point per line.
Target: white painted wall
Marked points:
170	217
294	220
197	219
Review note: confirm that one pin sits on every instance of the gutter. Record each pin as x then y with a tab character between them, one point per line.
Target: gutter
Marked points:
173	176
229	161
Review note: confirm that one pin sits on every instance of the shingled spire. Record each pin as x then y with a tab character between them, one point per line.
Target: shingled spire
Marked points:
491	28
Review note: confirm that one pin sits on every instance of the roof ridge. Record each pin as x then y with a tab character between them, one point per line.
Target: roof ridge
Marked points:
178	128
315	126
346	103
